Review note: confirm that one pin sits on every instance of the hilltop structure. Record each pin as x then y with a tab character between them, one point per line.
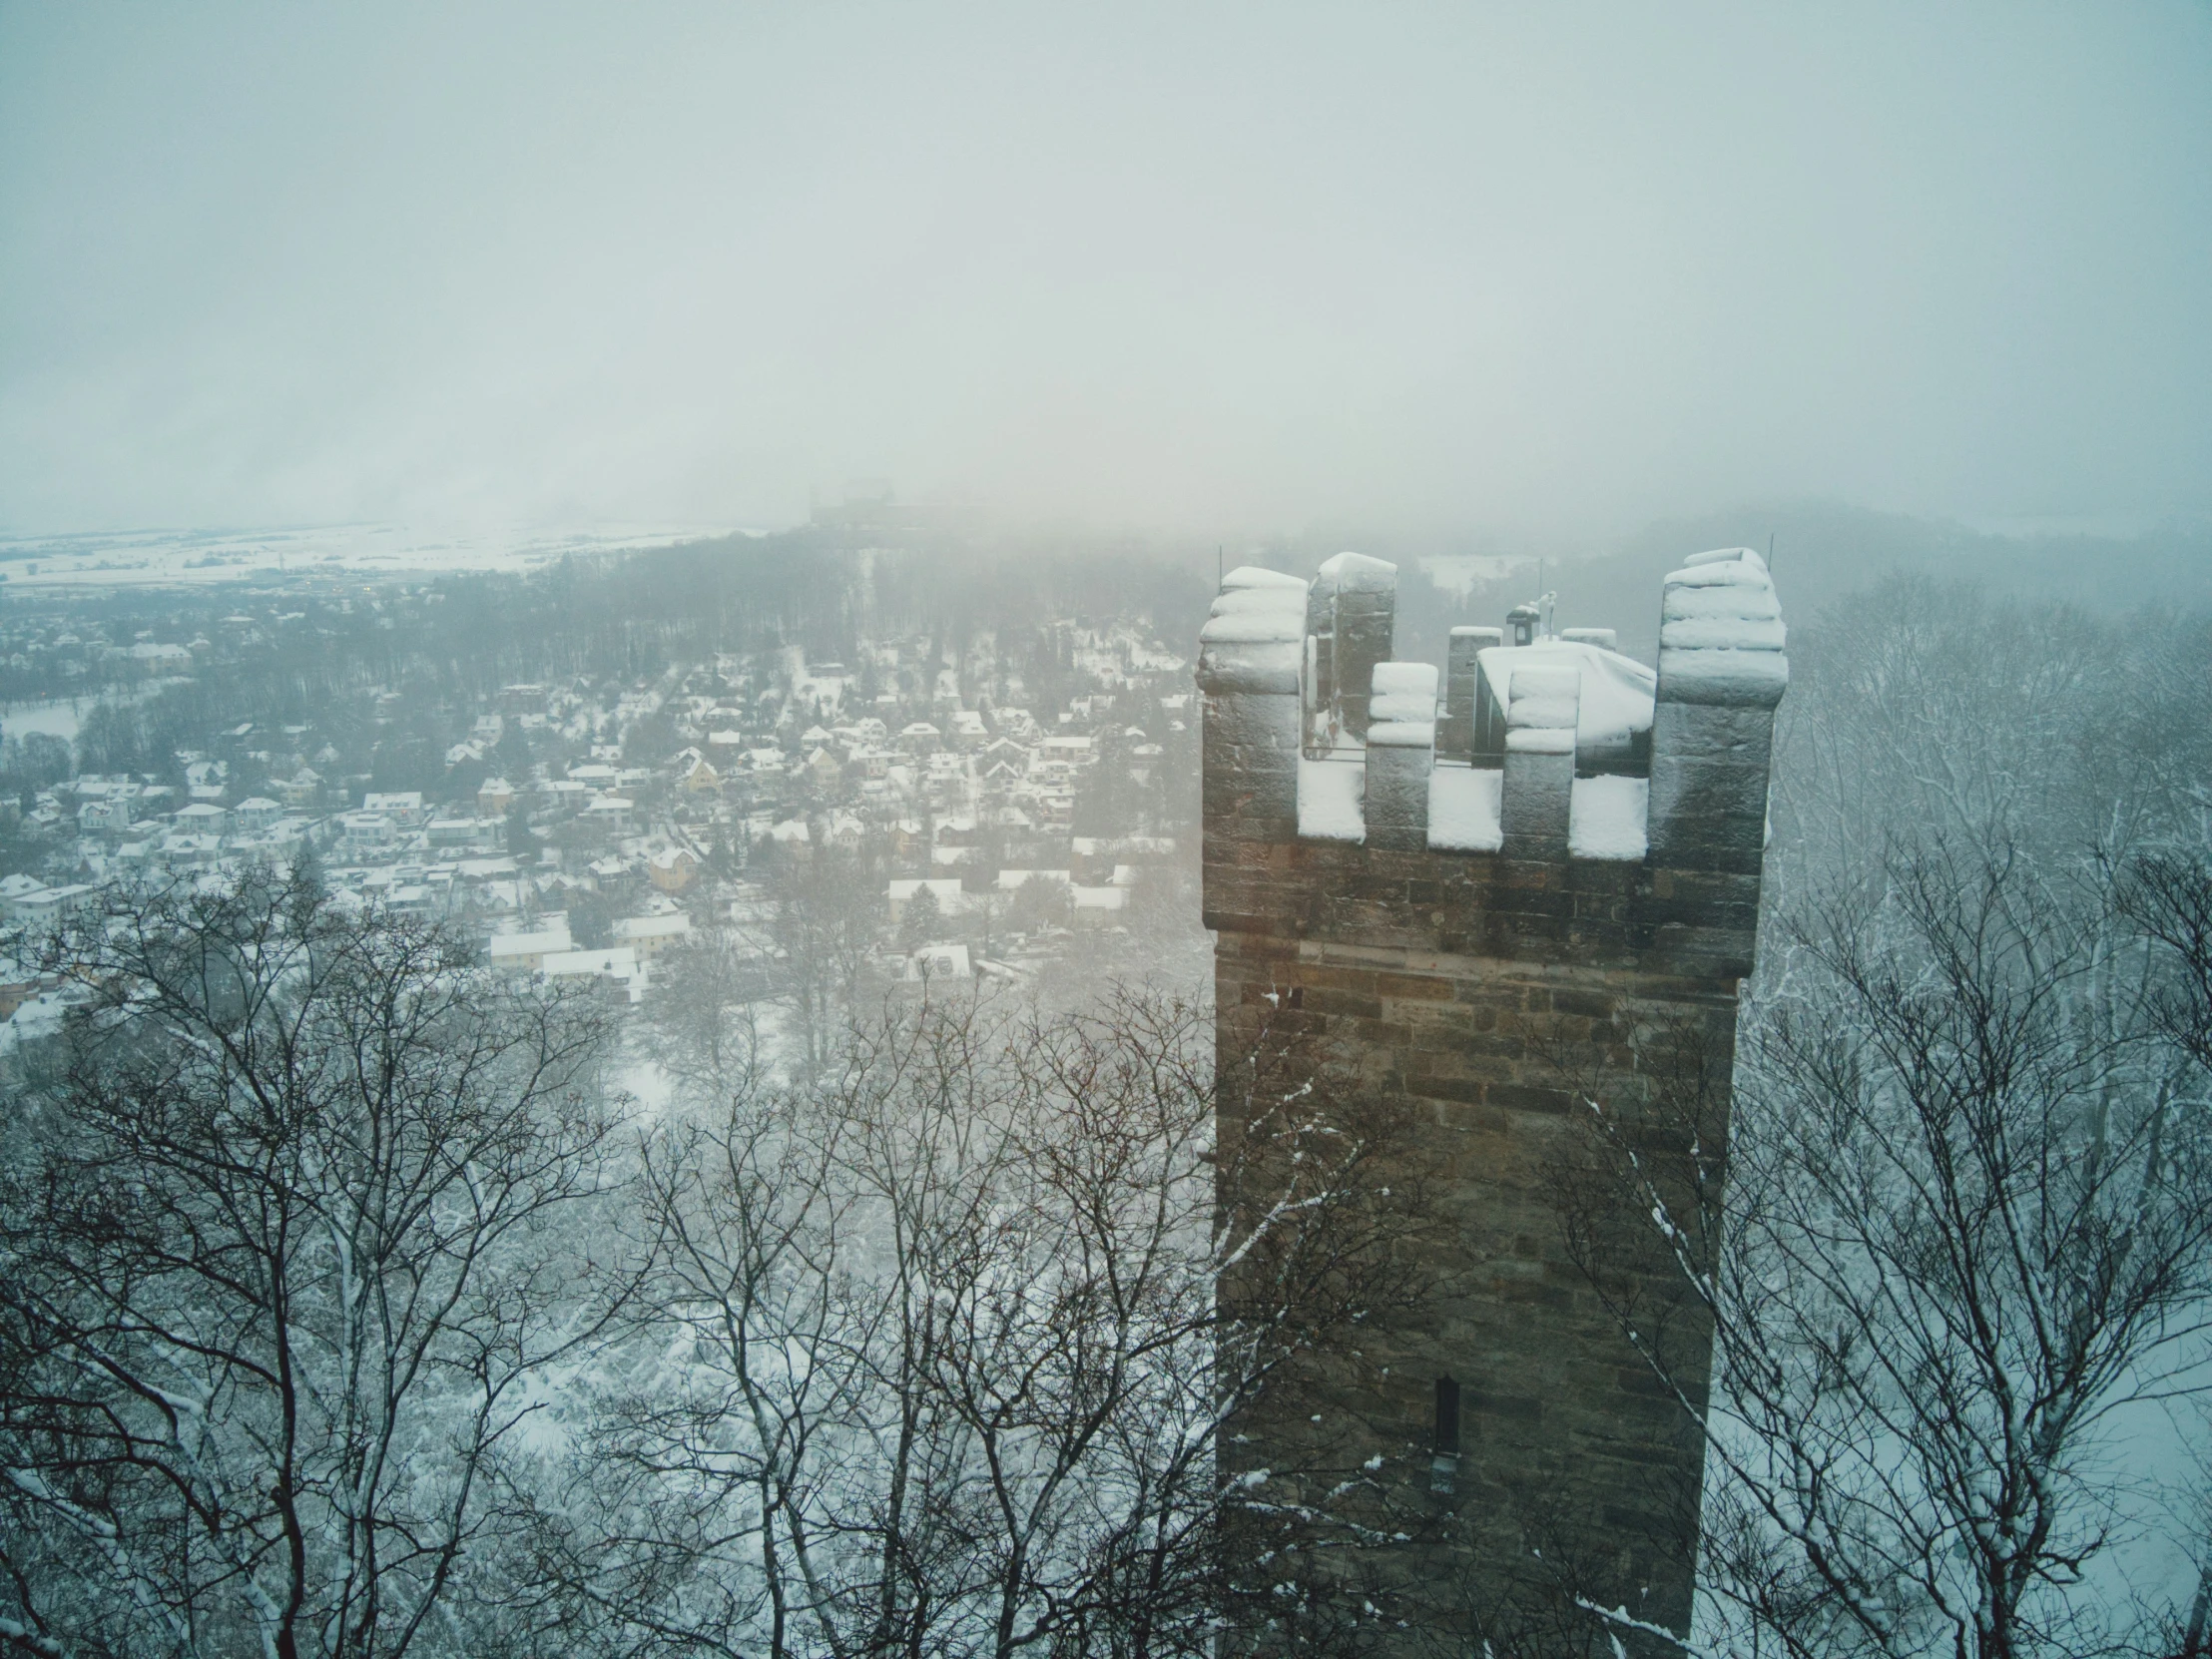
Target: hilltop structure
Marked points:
1533	895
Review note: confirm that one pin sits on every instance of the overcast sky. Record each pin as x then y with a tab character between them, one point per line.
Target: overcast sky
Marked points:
1207	268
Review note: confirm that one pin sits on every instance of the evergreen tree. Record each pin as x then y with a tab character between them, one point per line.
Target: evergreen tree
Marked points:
521	843
921	920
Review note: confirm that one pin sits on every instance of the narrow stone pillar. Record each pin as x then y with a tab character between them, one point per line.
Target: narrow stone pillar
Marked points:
1313	701
1722	670
1363	618
1401	751
1539	788
1455	732
1248	675
1320	665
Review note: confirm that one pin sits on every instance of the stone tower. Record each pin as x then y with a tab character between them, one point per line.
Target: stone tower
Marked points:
1532	891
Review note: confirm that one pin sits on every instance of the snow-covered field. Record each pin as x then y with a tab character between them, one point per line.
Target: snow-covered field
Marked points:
194	557
56	720
62	717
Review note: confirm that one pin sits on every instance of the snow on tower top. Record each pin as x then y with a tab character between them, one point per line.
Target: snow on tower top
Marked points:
1253	638
1358	573
1256	605
1721	635
1404	706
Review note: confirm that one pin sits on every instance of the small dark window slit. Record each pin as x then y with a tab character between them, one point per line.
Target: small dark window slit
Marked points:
1297	997
1443	1463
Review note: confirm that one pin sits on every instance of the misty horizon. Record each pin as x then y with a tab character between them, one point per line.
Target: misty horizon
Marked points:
1216	274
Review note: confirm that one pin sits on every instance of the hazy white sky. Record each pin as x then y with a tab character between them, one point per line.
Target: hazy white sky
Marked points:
1193	267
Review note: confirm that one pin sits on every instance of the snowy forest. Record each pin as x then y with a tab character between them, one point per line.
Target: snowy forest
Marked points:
362	1297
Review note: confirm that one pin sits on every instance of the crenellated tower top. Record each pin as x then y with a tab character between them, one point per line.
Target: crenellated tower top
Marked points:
1550	748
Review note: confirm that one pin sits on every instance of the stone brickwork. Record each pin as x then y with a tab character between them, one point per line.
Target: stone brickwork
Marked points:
1497	945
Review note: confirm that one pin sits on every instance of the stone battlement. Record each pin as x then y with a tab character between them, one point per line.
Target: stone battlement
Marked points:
1521	885
1320	734
1557	753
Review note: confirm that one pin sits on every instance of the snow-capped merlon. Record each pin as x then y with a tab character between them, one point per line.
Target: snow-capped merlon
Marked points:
1537	804
1721	635
1402	709
1351	615
1249	662
1547	708
1255	630
1402	753
1256	606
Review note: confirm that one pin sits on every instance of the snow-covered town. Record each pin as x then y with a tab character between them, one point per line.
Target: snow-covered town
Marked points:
990	806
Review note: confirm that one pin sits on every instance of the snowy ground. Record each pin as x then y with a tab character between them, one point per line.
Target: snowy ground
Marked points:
62	717
56	720
194	557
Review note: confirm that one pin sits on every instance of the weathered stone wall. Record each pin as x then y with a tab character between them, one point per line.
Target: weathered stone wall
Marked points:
1497	994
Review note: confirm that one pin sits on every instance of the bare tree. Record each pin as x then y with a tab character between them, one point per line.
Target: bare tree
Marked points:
290	1234
826	915
1965	1248
1959	1258
704	1017
937	1362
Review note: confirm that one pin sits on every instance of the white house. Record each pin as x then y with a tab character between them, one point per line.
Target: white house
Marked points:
365	829
202	818
402	807
649	935
526	952
618	963
610	813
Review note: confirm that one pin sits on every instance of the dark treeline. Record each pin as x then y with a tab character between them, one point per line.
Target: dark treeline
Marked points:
462	636
300	655
1823	552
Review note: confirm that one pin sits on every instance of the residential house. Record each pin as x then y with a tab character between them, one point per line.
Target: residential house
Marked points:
301	791
672	869
526	952
365	831
610	813
649	935
202	818
617	965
